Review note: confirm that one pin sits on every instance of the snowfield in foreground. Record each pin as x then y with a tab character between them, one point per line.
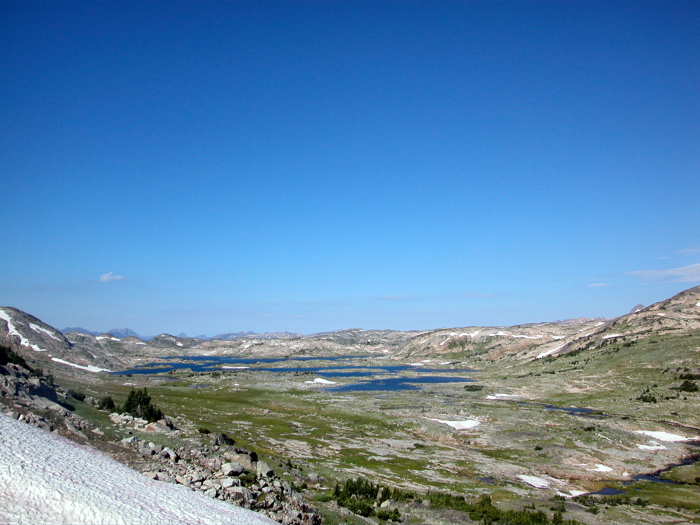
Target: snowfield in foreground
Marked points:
47	479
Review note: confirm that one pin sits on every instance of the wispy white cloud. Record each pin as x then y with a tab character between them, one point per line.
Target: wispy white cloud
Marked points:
685	274
109	276
690	250
597	285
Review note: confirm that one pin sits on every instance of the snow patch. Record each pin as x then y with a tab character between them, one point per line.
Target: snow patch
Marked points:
665	436
321	381
600	468
534	481
653	446
235	367
550	352
572	493
38	328
500	396
89	368
612	336
11	330
459	425
45	478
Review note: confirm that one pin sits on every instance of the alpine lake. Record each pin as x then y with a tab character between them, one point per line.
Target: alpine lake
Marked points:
536	434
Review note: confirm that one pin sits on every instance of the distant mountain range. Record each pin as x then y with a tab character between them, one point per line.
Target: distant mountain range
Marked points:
228	336
117	332
122	349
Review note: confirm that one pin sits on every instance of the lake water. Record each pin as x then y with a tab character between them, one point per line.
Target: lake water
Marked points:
399	382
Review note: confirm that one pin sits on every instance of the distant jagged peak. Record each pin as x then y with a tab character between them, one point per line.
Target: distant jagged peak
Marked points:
123	332
232	336
78	330
637	308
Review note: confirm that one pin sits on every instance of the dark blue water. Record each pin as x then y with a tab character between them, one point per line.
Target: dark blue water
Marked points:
570	410
396	383
608	491
213	364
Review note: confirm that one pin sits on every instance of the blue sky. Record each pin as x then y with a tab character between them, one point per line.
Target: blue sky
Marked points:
206	167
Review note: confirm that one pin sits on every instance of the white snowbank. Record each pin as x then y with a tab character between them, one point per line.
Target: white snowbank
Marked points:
612	336
38	328
600	468
89	368
572	493
501	396
321	380
11	330
236	367
459	425
45	478
653	446
550	352
665	436
534	481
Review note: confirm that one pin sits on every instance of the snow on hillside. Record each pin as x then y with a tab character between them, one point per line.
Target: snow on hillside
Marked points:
11	330
47	479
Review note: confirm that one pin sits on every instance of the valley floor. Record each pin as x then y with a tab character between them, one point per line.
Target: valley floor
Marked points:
517	434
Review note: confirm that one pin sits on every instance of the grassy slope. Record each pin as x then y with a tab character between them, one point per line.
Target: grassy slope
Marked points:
390	438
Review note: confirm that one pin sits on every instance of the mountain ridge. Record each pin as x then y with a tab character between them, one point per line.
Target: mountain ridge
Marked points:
41	342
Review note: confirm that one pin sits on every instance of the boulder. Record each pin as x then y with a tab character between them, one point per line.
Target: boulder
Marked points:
229	482
156	427
232	469
211	463
241	495
131	440
264	470
244	459
221	439
169	453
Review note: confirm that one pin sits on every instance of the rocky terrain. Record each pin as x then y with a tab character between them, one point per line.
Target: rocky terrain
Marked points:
554	411
47	479
212	465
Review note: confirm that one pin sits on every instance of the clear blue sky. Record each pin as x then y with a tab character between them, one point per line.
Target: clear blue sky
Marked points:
205	167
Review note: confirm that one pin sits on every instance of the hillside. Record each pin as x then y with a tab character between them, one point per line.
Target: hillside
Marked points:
41	342
535	416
